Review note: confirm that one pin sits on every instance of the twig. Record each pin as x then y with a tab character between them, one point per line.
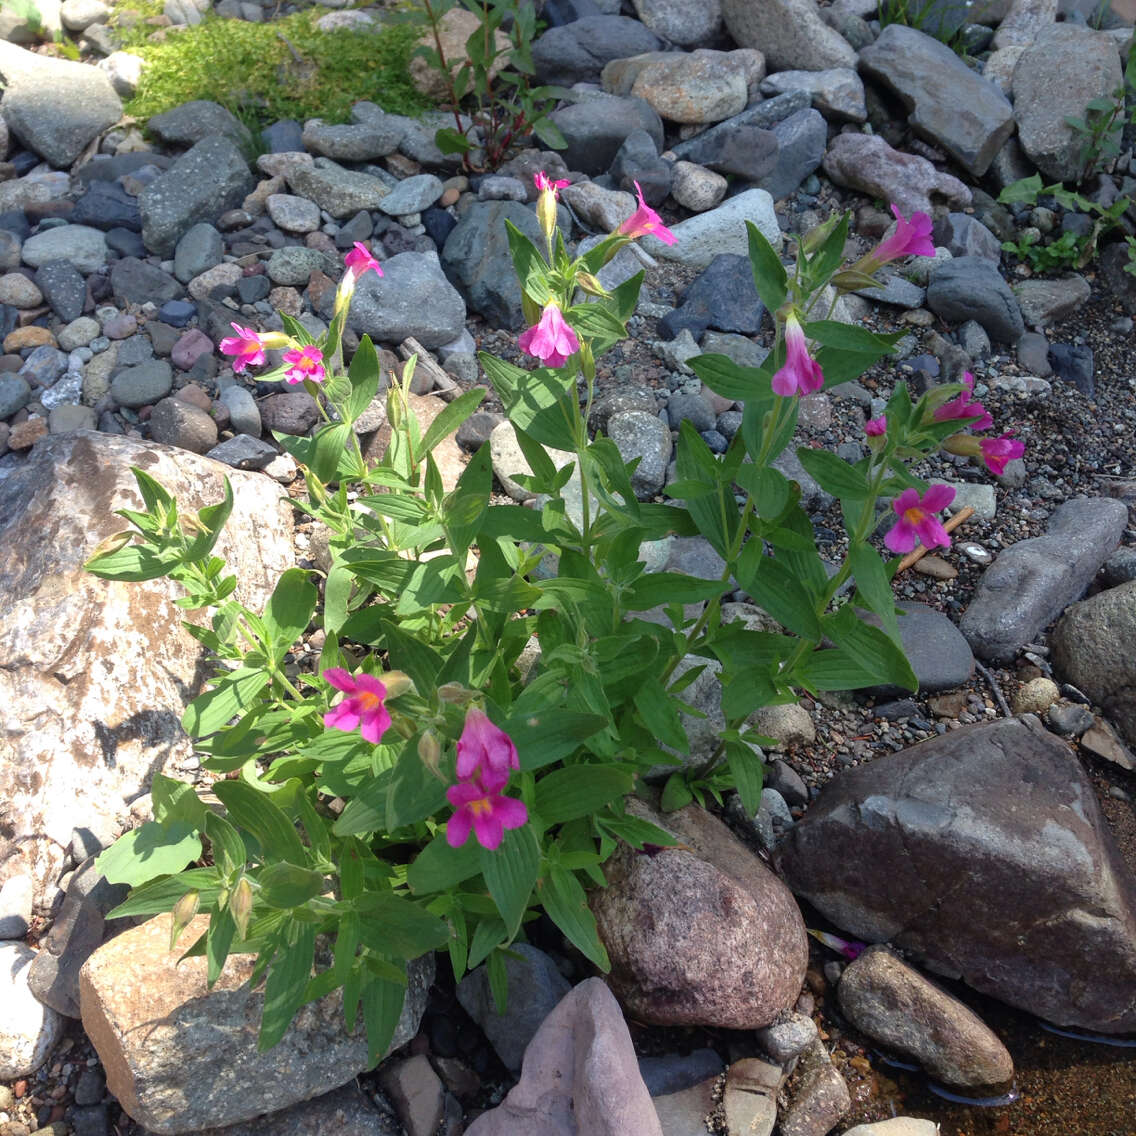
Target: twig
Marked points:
992	682
918	552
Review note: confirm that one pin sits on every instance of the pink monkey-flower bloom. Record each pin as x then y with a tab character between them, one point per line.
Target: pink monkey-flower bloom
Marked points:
485	749
801	373
962	406
911	238
917	520
479	804
363	706
246	347
545	184
304	363
997	452
551	339
360	260
646	222
875	427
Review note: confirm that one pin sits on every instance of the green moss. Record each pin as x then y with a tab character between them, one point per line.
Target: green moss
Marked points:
251	70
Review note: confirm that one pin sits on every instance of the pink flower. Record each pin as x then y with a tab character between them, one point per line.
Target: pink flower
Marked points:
961	406
304	363
545	184
485	749
851	949
646	221
917	520
360	260
245	346
911	238
997	452
363	707
875	427
551	340
482	806
801	373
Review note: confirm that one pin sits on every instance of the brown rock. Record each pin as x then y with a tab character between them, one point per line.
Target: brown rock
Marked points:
894	1004
447	454
417	1094
456	26
818	1098
700	934
180	1057
32	336
25	434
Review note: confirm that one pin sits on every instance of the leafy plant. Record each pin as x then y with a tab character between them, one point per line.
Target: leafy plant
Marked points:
504	107
928	16
1101	130
351	819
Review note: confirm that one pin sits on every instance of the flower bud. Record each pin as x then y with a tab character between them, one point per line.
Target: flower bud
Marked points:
546	213
816	236
184	911
396	682
454	692
240	906
966	445
591	284
430	751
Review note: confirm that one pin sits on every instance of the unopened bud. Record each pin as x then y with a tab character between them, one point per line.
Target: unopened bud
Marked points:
430	751
546	213
966	445
815	237
240	906
591	284
184	911
854	278
454	692
396	683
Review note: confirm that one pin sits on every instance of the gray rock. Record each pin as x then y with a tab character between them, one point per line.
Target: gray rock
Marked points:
293	265
476	257
672	1074
342	1112
535	987
938	653
896	1006
762	116
201	248
352	142
1033	581
205	181
68	417
180	424
192	122
412	195
747	152
596	128
15	392
28	1029
1047	918
496	187
243	414
53	106
820	1096
801	140
1046	96
637	160
867	163
341	192
106	205
642	436
722	297
142	385
1092	649
947	102
698	240
44	365
243	451
894	289
135	281
78	931
838	93
289	412
963	235
788	1036
680	22
789	32
63	288
577	52
812	496
971	287
294	214
85	248
1044	302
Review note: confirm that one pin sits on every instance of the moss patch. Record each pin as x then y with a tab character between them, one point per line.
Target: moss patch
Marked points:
283	69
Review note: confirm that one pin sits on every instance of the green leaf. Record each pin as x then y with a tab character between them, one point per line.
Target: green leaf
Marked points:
450	141
288	885
510	873
150	851
541	402
133	562
287	981
567	905
748	771
1025	190
656	588
382	1010
439	867
769	276
212	519
229	851
676	793
660	715
529	265
769	489
833	474
449	420
289	610
874	586
250	809
160	895
729	379
777	590
489	935
218	940
366	375
390	924
233	694
545	736
579	791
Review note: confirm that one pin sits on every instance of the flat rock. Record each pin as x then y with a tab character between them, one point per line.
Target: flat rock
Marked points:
838	92
896	1006
180	1056
352	141
94	674
190	123
1048	301
1032	582
947	103
699	934
412	195
698	240
936	649
343	1112
971	287
789	32
341	192
1047	918
84	247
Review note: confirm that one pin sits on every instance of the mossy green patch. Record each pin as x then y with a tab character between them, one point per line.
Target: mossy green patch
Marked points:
284	69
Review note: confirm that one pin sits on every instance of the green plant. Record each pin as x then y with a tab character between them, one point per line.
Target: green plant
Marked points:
1069	250
927	16
1101	130
1130	267
505	108
335	816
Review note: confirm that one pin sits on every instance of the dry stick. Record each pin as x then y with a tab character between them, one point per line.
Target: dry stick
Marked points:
992	682
919	551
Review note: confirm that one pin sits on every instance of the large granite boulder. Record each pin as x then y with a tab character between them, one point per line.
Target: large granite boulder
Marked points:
984	853
789	32
94	674
180	1056
701	933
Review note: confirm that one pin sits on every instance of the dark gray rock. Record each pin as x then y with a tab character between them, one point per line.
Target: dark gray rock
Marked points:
577	52
723	297
1052	300
535	986
747	151
935	648
134	281
984	853
963	235
595	128
125	242
947	102
971	287
44	365
1073	362
290	412
643	437
14	395
199	248
205	181
106	205
180	424
763	115
638	161
283	137
1033	581
692	408
476	258
63	288
672	1074
142	385
801	140
192	122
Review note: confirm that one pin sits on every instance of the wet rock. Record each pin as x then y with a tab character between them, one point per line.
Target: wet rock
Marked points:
971	287
1033	581
947	103
1047	918
699	934
896	1006
789	32
180	1056
1092	649
579	1075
